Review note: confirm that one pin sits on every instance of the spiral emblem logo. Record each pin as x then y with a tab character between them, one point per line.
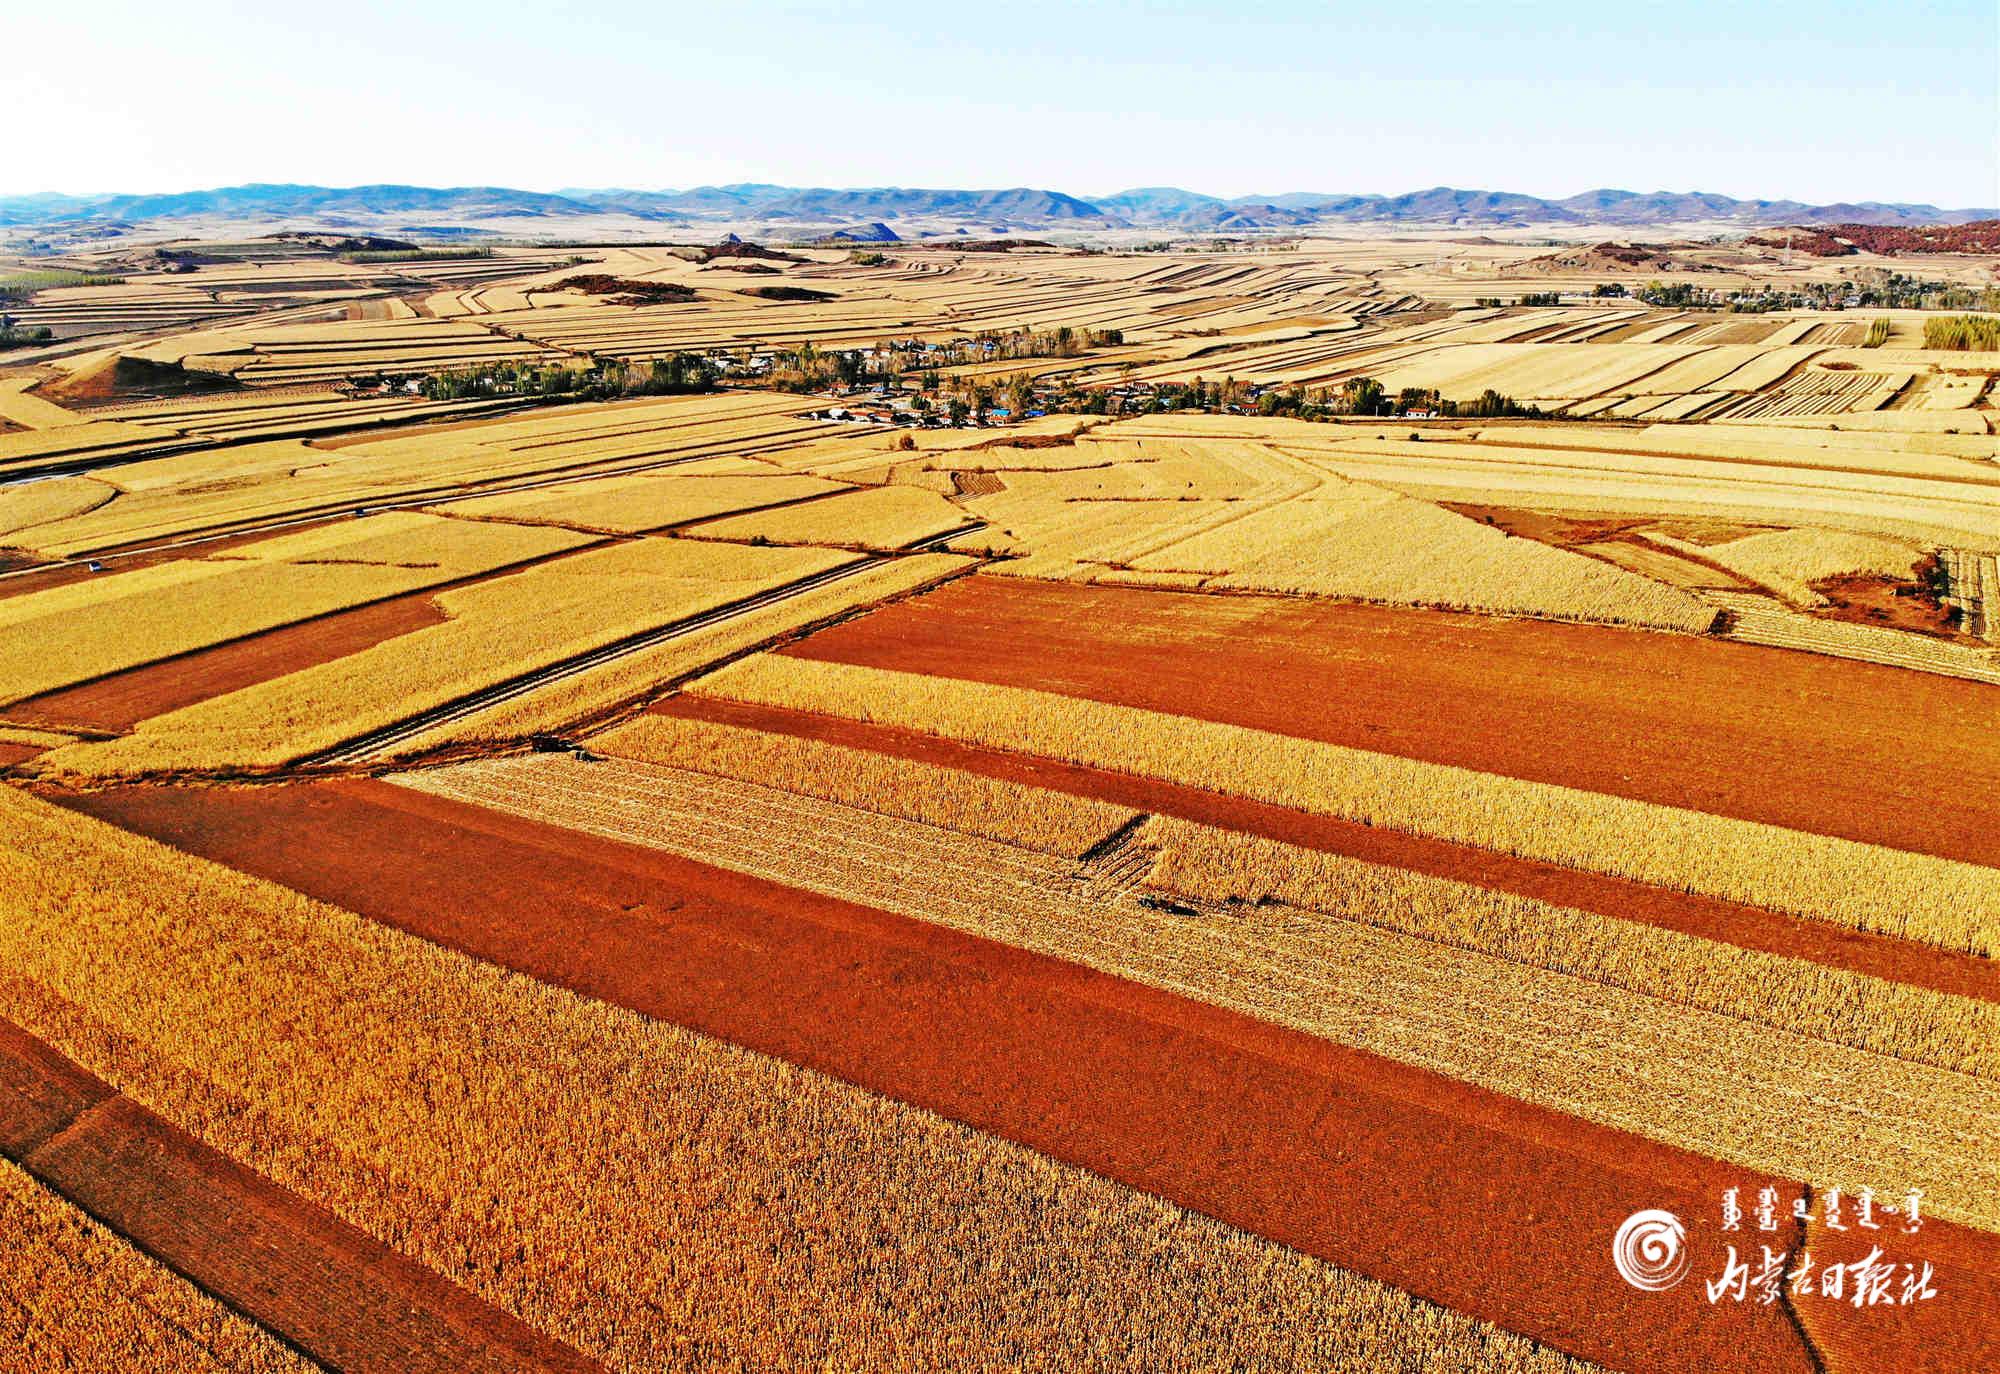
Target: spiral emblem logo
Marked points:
1650	1250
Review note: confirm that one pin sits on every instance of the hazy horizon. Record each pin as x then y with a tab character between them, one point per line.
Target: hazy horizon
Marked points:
575	189
1816	104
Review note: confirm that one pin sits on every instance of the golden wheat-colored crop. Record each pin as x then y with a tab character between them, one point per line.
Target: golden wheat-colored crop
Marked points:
23	407
242	484
1378	545
1533	372
498	629
1895	494
40	739
27	504
1767	443
1760	1096
1789	561
74	1297
646	501
1949	1032
1758	619
1032	817
559	705
1915	896
1200	861
69	634
406	539
97	438
543	1150
866	517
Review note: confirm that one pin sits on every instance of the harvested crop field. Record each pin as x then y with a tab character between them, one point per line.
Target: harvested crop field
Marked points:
1747	927
531	1079
1137	1067
122	700
331	1291
1154	799
1836	748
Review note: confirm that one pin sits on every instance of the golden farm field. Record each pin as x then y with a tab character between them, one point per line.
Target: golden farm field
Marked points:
630	505
510	1068
495	630
174	607
1010	805
1915	896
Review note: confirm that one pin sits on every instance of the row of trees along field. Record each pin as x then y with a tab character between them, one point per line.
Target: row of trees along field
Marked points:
1899	291
13	335
17	287
1980	332
961	397
1366	396
809	368
604	379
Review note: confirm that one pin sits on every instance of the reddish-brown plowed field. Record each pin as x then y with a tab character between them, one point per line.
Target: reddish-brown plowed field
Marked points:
11	753
61	576
1850	749
1747	927
1896	602
1871	1339
329	1289
1485	1203
122	700
41	1092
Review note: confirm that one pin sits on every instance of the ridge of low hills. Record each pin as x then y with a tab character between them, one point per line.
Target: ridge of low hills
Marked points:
991	209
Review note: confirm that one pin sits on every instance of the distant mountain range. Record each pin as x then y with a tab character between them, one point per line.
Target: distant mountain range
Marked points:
1161	207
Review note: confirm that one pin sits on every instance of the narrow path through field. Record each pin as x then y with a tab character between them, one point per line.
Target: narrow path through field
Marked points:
378	743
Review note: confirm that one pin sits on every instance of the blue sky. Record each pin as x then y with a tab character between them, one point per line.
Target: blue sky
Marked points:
1815	101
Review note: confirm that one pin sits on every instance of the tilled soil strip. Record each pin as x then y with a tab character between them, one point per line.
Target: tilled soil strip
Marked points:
120	700
1487	1204
12	753
1829	746
1734	923
328	1289
62	574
